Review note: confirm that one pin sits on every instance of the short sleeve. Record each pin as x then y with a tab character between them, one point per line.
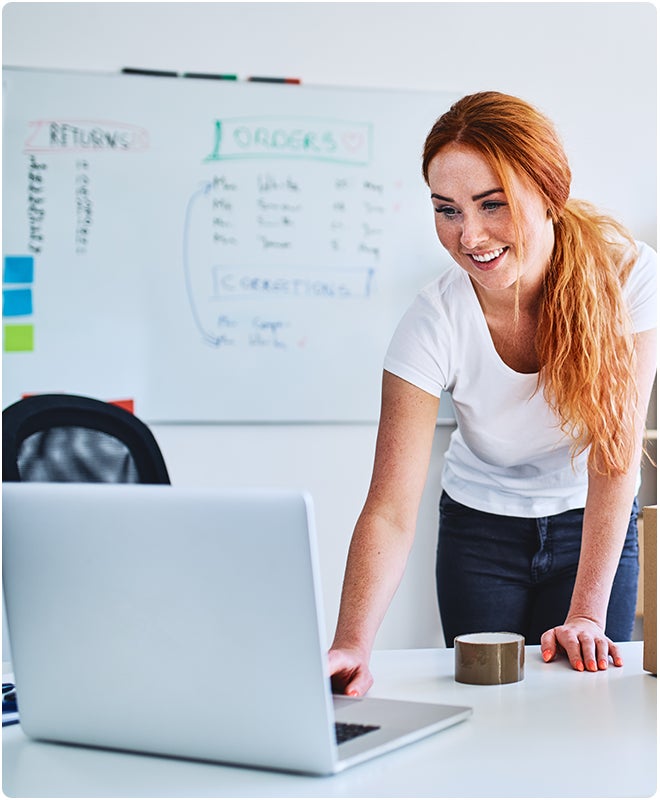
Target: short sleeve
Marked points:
641	289
416	352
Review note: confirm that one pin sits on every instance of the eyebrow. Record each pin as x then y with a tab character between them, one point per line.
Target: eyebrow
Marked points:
474	197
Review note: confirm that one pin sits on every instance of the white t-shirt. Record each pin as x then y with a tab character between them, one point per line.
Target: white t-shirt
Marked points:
507	455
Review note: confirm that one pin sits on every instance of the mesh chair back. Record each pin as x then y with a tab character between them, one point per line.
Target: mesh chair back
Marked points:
67	438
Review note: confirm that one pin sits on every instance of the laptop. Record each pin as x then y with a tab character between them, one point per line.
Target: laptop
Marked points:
183	622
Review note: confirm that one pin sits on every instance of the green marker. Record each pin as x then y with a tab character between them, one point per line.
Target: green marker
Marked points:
209	76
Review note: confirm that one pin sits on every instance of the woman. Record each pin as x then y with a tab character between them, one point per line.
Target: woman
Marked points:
542	331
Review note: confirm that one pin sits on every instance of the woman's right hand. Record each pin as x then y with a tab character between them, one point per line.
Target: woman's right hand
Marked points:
349	672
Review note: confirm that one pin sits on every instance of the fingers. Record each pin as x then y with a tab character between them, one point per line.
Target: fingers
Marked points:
586	646
570	642
549	645
354	683
348	673
360	684
588	652
602	653
616	654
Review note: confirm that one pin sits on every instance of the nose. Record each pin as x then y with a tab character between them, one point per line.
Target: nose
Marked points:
473	233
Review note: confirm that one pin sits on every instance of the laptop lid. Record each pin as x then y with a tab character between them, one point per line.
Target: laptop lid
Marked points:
176	621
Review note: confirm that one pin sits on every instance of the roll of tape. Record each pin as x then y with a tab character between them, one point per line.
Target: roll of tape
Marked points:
489	658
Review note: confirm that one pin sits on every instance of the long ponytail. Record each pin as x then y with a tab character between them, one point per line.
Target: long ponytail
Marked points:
584	342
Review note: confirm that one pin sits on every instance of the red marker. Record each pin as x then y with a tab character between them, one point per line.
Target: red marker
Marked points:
275	80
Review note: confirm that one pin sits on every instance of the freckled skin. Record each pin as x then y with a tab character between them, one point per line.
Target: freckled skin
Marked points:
479	226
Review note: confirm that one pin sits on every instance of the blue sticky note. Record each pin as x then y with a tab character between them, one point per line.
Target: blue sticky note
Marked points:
16	302
18	269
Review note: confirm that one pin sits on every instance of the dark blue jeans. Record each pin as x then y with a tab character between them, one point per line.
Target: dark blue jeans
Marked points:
497	573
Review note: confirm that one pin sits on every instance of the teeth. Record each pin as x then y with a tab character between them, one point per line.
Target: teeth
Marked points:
489	256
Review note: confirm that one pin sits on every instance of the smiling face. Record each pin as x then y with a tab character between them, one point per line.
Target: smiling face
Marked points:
474	221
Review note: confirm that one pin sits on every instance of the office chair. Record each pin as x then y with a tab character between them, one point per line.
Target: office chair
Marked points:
68	438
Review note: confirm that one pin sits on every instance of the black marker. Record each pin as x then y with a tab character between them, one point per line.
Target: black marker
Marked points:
159	73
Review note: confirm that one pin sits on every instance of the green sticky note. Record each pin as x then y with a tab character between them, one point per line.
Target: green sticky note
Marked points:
19	338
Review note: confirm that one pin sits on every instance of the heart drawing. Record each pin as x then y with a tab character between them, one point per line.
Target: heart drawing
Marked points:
353	141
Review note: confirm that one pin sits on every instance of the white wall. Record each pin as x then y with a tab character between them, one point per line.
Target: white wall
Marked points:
590	66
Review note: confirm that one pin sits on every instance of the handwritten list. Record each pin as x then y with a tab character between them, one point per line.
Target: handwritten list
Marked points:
273	232
204	247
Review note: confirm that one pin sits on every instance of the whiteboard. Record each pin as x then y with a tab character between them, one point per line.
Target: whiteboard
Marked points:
214	250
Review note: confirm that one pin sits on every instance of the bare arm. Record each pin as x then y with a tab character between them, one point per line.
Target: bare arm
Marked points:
606	514
385	530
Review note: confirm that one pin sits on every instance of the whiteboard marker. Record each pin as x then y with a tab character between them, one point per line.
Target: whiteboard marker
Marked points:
209	76
275	80
159	73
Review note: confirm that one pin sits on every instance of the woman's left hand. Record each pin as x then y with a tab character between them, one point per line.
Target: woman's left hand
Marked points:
584	642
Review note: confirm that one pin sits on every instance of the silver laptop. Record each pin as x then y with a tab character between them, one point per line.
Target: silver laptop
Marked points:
183	622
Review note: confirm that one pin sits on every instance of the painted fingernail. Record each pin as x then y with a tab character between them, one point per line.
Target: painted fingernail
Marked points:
579	666
591	665
602	664
547	655
618	662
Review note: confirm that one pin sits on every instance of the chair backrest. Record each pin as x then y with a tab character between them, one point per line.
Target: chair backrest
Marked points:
69	438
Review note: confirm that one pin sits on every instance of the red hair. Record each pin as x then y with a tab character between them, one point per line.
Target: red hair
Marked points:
583	343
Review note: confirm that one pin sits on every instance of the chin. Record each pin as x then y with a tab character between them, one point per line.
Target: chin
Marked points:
493	281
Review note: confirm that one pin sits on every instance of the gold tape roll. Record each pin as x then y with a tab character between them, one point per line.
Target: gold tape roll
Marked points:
489	658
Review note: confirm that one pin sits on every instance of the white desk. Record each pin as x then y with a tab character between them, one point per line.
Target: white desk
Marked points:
557	733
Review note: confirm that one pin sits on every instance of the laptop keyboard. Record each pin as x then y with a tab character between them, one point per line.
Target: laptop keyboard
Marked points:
345	731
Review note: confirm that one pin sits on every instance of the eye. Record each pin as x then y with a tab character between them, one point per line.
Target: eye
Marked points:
493	205
446	211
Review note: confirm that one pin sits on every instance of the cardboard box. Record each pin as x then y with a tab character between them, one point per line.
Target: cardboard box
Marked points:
650	567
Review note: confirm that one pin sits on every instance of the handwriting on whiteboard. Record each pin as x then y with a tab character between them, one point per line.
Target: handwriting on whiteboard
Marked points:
291	212
278	237
52	136
337	141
